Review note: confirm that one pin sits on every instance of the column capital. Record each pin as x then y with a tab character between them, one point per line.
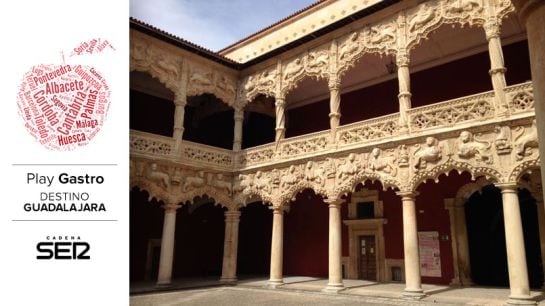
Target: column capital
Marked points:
171	207
492	28
277	209
334	82
232	216
239	113
507	186
180	99
279	102
407	194
402	58
334	202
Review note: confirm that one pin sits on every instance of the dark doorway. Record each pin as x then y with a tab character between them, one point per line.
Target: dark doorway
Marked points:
146	223
200	229
486	238
254	240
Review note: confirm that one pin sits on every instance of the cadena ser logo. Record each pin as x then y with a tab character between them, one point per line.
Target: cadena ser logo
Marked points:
60	247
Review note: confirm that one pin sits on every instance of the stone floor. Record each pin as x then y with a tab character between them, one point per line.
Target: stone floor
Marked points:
300	290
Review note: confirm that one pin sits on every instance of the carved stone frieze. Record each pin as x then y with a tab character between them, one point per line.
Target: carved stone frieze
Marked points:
427	154
160	64
503	140
204	79
379	161
430	15
314	63
150	56
263	82
469	146
181	184
526	141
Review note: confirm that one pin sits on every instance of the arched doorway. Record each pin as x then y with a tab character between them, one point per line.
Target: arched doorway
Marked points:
486	238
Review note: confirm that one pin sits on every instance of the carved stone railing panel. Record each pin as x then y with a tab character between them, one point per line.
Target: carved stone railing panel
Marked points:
207	155
520	97
152	144
449	113
368	130
257	155
304	145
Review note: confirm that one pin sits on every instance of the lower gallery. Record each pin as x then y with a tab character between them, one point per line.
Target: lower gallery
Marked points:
400	146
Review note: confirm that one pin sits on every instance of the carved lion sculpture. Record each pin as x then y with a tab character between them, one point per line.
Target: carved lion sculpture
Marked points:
348	168
349	47
289	178
293	68
468	148
220	183
194	181
424	15
525	141
158	176
430	153
314	174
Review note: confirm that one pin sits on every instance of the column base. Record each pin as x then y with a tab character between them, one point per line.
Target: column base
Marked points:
228	280
413	294
333	288
163	285
274	283
520	300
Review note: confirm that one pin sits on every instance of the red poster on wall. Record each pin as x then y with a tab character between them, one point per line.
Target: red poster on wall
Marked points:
430	254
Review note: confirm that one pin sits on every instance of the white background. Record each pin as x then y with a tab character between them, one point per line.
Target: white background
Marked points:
35	32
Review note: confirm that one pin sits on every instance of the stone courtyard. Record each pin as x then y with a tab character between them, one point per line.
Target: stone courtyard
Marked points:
302	290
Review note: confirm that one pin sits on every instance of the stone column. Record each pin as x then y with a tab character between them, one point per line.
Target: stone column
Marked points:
532	15
179	112
334	107
404	96
230	247
167	245
413	284
460	246
280	105
541	222
277	247
237	135
497	66
514	241
335	248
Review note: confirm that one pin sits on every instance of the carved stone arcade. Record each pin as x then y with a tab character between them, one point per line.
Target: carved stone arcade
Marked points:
491	134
